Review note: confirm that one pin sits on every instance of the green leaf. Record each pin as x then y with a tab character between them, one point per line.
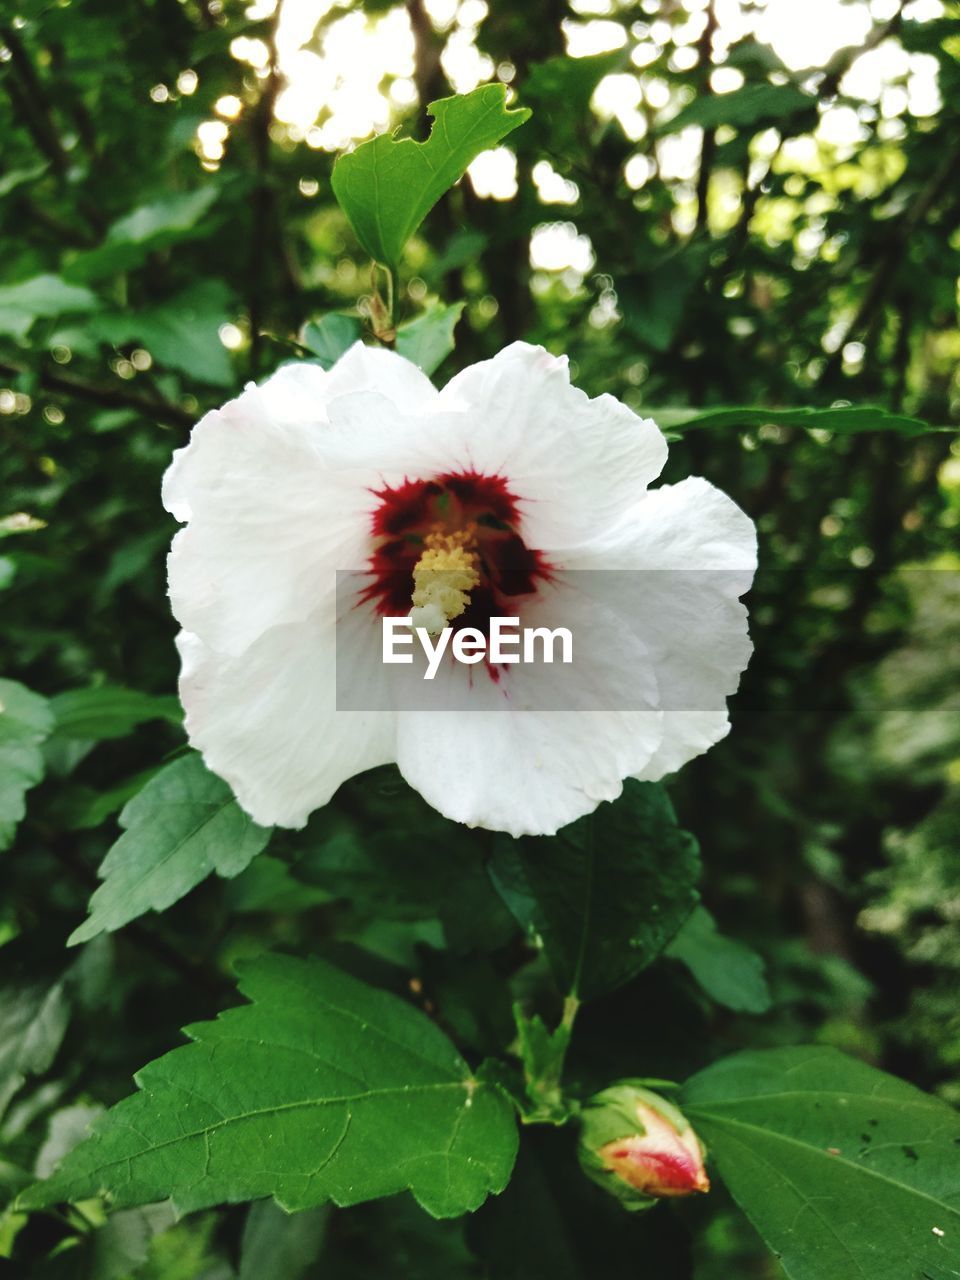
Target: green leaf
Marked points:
33	1022
566	85
268	884
844	1171
109	711
66	1129
182	333
79	807
542	1053
428	340
552	1224
559	91
745	106
322	1089
394	1240
654	300
608	893
330	336
40	296
131	239
729	972
391	859
280	1244
25	723
845	420
183	825
15	178
19	522
121	1246
386	187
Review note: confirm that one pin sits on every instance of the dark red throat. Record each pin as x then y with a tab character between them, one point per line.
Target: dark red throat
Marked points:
405	515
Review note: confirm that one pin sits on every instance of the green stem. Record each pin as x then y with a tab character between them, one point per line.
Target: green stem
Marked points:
571	1005
544	1087
391	297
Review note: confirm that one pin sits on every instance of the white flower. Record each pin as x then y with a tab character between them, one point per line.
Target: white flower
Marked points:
516	483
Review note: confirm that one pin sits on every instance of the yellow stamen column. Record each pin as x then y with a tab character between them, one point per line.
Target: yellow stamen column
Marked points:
443	578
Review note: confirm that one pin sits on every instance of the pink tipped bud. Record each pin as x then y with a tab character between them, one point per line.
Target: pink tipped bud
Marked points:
640	1147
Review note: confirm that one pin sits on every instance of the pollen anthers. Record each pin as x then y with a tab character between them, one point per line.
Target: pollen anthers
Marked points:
444	576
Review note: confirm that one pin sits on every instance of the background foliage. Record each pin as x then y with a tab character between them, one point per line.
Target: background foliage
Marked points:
766	260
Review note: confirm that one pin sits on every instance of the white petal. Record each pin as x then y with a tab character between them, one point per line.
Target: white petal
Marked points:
267	722
289	398
686	735
520	760
577	464
524	772
264	541
675	570
269	521
365	368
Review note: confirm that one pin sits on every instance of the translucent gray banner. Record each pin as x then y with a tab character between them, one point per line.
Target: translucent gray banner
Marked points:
586	640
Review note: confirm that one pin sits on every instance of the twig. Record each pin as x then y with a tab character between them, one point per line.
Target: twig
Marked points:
75	236
751	198
709	146
162	411
844	58
30	101
262	195
428	73
900	233
828	88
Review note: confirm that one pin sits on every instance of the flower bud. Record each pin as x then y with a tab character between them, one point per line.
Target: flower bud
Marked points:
640	1147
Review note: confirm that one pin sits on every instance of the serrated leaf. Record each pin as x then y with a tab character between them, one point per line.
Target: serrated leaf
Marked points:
428	339
25	722
109	711
729	972
745	106
608	893
386	187
843	1170
183	825
330	336
846	420
322	1089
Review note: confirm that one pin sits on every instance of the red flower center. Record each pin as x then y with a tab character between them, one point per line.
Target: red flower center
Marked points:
450	504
